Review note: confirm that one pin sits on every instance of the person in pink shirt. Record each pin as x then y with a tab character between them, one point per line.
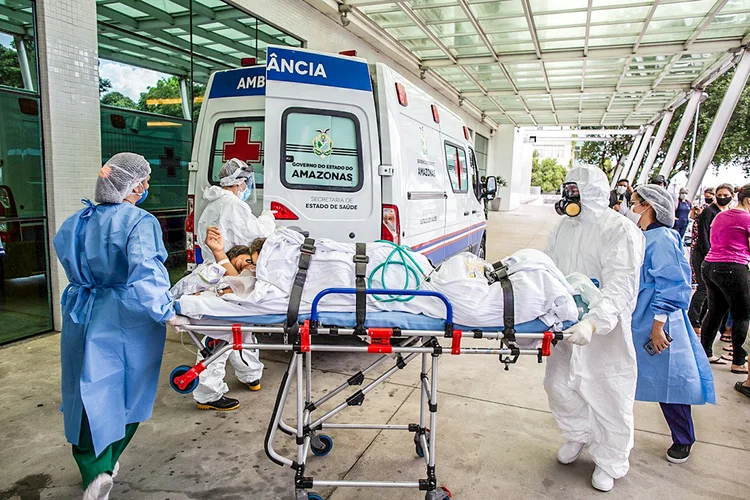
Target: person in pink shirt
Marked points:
727	278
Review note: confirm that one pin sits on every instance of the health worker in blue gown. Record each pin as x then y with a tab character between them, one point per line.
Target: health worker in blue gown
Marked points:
672	367
114	314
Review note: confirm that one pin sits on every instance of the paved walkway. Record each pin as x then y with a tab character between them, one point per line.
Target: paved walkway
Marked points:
496	437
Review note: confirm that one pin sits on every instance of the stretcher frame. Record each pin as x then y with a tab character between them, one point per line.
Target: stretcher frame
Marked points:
411	344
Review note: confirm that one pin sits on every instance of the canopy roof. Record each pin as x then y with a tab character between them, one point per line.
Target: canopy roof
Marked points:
567	62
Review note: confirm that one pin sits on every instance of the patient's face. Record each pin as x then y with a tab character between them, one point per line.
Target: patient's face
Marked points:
242	262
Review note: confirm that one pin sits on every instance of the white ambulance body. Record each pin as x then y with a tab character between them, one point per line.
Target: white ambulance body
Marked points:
343	150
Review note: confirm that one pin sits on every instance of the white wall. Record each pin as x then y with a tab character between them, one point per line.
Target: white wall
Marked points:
510	158
69	85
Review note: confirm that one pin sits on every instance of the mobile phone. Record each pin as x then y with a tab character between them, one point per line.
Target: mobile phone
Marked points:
649	346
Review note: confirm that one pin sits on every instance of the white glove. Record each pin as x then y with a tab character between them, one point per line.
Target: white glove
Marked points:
177	321
270	213
581	332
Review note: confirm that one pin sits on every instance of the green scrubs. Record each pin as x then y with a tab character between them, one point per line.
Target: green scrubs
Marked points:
91	465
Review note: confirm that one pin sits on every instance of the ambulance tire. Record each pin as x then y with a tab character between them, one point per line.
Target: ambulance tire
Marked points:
482	253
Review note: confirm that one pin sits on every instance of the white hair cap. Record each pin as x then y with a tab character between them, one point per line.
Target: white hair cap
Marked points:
234	172
661	200
119	177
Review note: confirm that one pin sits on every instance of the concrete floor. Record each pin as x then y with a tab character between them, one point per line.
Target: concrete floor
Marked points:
496	437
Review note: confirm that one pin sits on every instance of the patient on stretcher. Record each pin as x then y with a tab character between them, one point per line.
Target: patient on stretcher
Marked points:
540	290
231	272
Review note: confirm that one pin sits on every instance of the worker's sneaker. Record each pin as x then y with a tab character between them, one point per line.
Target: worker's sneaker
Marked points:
569	452
254	385
99	488
116	470
678	453
222	404
601	480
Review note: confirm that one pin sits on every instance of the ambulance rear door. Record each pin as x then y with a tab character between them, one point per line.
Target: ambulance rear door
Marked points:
322	150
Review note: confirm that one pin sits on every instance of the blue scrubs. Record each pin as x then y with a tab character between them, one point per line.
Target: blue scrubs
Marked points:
680	375
114	311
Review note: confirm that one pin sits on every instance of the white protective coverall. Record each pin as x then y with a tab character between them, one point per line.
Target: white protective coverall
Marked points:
591	388
238	226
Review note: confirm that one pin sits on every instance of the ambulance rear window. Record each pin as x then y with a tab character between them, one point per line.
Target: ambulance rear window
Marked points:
238	138
321	150
455	159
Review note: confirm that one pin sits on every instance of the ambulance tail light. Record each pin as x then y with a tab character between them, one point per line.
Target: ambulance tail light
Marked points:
247	61
401	94
190	229
350	53
390	229
466	132
282	211
435	114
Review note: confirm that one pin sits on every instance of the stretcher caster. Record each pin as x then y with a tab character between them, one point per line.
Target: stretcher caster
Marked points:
321	445
418	444
442	494
314	496
179	372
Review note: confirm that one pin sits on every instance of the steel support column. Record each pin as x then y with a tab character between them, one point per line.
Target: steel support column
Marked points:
719	125
680	133
663	126
628	161
23	62
641	153
185	98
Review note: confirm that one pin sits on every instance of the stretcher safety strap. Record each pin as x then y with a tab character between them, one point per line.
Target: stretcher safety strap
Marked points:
500	273
360	270
307	251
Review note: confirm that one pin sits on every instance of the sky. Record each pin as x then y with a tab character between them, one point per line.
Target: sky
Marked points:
5	39
731	175
129	80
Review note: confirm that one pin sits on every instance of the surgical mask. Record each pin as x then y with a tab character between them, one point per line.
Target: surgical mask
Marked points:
244	195
622	189
143	197
570	204
635	217
683	197
723	201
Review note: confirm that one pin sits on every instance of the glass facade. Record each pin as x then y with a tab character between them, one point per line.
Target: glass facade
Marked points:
482	145
24	271
155	61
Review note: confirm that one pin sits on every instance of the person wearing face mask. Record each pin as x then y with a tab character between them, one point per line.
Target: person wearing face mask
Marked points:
228	212
701	247
727	278
672	368
682	213
591	378
620	195
114	313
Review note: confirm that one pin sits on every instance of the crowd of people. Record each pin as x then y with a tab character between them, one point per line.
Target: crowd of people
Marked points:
638	341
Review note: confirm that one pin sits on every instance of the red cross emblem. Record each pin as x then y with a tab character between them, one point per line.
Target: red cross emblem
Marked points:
242	148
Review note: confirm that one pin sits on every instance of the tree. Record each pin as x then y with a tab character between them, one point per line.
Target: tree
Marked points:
119	100
605	155
547	174
10	70
104	85
169	88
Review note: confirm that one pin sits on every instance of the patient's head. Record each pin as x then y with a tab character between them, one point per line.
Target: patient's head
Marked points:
240	257
255	247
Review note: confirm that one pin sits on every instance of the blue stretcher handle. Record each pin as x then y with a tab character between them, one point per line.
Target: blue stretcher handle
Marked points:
383	291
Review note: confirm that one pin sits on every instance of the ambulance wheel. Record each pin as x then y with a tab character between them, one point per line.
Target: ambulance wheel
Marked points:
325	449
179	372
314	496
483	249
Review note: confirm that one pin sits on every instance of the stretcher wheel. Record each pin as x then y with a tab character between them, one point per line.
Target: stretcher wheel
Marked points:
314	496
178	372
325	449
418	444
447	491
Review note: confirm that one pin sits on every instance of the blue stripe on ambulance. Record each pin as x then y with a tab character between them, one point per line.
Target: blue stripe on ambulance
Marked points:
239	83
300	66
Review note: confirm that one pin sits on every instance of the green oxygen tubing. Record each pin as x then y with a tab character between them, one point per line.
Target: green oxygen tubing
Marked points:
399	256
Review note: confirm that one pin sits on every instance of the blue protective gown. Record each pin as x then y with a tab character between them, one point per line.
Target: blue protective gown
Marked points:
114	311
681	374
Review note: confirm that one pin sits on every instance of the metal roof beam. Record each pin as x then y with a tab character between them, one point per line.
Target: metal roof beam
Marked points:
645	26
532	27
706	21
149	10
14	29
592	90
198	8
655	49
16	15
427	31
116	16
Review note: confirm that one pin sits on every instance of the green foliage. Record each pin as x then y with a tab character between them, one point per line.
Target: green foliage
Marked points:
104	85
547	174
10	71
119	100
605	155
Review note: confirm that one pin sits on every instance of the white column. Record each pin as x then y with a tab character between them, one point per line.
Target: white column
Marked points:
69	87
23	62
641	152
185	99
510	158
663	126
719	125
680	133
628	161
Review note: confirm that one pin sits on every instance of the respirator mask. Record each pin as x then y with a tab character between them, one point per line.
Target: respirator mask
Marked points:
570	204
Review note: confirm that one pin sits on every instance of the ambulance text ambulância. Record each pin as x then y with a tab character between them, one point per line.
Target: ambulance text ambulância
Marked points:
298	67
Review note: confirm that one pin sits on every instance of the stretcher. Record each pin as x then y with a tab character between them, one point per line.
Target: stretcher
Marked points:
385	337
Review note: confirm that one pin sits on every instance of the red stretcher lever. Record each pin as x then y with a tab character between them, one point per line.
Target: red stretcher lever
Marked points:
380	340
547	343
184	380
456	342
304	337
237	337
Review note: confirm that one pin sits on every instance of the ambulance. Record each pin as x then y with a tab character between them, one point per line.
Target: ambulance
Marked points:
343	150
